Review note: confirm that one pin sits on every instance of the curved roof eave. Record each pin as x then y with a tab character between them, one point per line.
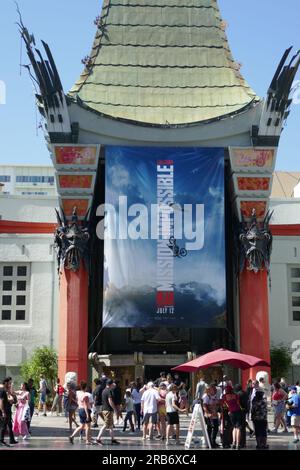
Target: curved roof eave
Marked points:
242	110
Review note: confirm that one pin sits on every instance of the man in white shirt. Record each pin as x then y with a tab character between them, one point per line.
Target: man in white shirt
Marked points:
149	401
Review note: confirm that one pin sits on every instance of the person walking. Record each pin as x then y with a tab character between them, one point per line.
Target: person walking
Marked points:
294	407
150	399
173	411
108	409
279	398
259	416
22	415
32	397
162	412
231	401
137	397
183	397
97	395
7	399
84	411
117	398
43	394
58	398
200	391
71	405
211	405
129	409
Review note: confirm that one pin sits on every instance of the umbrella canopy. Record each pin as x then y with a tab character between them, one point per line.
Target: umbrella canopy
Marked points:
221	356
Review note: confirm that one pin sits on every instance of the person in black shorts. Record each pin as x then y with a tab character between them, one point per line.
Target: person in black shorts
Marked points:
173	411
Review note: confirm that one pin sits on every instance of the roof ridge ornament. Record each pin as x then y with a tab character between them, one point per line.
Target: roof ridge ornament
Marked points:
50	96
278	102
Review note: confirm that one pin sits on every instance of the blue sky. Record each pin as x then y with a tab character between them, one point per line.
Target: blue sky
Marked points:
258	34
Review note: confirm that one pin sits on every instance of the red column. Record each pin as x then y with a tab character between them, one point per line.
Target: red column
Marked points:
254	319
73	324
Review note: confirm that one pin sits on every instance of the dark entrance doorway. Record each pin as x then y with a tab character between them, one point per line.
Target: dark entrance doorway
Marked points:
153	372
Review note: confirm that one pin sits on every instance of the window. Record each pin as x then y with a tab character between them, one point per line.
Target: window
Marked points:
294	294
7	285
22	270
4	179
35	179
14	292
6	315
7	271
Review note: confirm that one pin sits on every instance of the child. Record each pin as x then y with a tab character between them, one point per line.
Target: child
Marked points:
259	417
129	410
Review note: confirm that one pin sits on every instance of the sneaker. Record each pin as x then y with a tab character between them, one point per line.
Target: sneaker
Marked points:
45	414
98	441
158	436
13	442
295	441
251	434
4	444
114	441
26	437
71	439
274	430
233	446
215	445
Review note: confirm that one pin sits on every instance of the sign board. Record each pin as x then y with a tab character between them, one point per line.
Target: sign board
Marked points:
252	160
68	156
197	416
163	224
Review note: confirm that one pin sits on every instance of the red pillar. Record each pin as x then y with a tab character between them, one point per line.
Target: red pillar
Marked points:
73	324
254	319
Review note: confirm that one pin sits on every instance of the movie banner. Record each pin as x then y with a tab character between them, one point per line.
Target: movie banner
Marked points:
163	226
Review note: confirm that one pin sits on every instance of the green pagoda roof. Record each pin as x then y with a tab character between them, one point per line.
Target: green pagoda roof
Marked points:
162	62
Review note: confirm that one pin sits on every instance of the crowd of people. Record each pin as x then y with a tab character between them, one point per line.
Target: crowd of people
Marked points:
154	408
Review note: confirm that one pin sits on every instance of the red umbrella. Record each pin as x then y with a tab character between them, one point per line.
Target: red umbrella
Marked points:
221	356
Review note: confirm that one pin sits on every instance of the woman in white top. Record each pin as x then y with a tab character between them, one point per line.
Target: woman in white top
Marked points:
84	411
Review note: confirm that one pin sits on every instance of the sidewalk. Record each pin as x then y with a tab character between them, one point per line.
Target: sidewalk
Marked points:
52	432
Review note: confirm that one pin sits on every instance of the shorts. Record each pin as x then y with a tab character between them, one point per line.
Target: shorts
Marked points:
83	417
236	419
108	418
162	411
43	397
173	418
150	418
295	421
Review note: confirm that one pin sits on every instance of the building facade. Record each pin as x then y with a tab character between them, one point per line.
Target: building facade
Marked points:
28	279
160	76
28	180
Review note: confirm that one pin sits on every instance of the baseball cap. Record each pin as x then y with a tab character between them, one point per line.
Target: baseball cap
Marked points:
109	382
150	384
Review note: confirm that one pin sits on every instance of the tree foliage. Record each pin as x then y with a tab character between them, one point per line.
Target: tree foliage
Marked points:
280	360
43	361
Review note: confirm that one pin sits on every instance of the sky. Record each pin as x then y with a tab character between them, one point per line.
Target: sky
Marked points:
258	30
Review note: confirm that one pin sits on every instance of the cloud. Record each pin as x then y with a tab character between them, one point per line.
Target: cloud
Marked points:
119	176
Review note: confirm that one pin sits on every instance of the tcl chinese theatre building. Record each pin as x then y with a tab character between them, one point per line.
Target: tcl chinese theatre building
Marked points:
164	158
